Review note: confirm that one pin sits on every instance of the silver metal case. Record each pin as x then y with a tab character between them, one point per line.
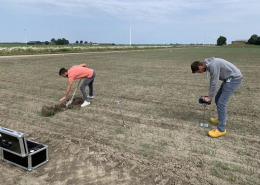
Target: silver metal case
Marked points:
17	150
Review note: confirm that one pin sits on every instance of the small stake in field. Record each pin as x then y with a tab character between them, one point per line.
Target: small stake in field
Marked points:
70	101
204	103
118	103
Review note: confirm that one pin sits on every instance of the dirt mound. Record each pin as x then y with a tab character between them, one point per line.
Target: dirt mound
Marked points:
52	110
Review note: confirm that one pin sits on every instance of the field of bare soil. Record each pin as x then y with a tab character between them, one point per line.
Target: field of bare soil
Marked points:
162	142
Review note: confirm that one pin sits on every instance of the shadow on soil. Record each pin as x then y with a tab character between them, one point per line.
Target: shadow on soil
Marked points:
52	110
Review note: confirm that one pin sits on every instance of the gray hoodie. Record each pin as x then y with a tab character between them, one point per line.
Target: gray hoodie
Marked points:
220	69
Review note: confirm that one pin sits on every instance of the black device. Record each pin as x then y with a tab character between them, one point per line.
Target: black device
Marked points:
203	102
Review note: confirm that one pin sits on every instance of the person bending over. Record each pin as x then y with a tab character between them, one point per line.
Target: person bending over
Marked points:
78	72
231	76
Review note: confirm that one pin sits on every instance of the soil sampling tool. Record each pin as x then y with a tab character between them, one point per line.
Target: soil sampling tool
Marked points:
118	103
70	101
205	104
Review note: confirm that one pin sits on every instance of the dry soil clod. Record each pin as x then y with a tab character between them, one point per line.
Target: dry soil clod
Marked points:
52	110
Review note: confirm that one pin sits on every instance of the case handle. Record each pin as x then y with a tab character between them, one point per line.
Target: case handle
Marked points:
9	130
12	131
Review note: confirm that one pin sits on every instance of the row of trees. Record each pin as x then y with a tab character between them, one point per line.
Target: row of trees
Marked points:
63	41
81	42
254	39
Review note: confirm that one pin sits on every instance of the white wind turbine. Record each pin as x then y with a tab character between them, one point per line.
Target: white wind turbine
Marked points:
130	32
25	36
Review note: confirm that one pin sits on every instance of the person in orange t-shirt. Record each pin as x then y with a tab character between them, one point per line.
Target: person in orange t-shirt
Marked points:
78	72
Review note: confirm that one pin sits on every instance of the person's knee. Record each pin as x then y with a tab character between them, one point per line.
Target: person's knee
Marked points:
221	105
82	87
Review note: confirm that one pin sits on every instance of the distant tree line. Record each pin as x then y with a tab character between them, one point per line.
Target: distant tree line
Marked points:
254	39
81	42
64	41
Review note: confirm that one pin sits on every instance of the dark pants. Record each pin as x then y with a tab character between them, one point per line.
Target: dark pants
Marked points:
85	83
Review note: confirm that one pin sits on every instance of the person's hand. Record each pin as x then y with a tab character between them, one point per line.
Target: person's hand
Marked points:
63	98
206	99
206	95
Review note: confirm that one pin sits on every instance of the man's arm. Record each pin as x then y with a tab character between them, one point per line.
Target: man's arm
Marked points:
214	78
82	65
67	91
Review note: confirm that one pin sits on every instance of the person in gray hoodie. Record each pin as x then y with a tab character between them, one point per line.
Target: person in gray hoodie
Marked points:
231	76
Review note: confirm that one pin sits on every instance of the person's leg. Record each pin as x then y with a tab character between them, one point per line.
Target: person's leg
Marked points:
218	93
83	86
215	120
227	90
91	88
91	84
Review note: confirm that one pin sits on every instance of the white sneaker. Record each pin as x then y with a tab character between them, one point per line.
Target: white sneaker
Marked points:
91	97
85	103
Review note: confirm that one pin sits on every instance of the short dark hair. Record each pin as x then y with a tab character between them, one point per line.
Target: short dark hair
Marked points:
62	71
195	66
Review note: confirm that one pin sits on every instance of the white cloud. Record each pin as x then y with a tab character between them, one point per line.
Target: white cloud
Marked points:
163	11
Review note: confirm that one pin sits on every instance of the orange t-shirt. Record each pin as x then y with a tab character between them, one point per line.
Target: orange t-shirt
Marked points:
76	72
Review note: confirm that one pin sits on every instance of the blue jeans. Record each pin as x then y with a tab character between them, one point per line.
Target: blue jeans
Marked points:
223	95
85	83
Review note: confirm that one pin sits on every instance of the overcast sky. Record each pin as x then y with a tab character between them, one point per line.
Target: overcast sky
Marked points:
154	21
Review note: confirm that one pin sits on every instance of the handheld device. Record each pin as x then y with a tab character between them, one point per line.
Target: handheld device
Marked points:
203	102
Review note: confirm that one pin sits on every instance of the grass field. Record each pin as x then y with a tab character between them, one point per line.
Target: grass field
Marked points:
162	142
